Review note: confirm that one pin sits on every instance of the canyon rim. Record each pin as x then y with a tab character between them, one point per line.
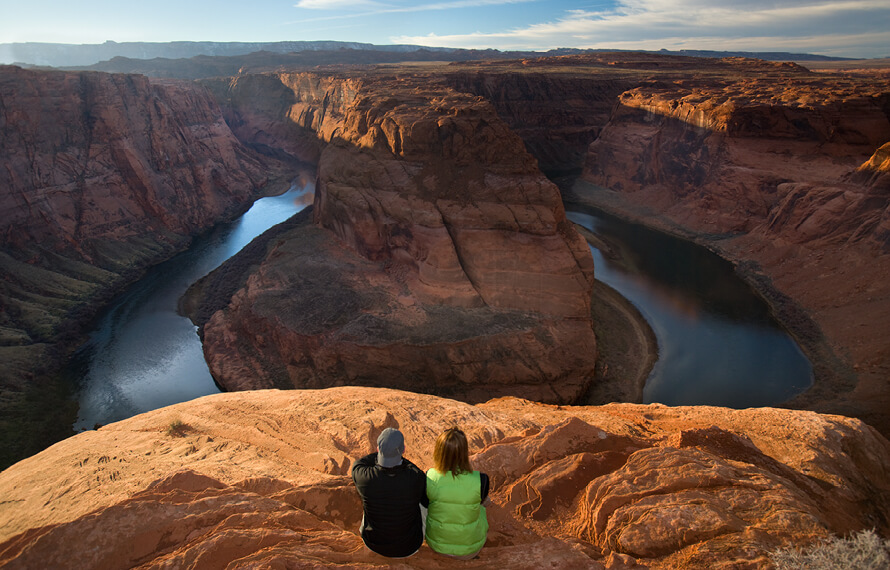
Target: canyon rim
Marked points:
437	259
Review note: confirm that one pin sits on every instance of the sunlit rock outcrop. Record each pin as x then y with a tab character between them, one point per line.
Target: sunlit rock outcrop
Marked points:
259	479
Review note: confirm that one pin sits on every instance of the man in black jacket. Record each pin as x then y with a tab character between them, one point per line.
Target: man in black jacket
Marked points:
392	490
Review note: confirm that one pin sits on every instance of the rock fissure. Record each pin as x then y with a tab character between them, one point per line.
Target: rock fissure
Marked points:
449	228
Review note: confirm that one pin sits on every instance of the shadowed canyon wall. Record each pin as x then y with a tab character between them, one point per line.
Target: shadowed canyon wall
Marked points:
102	175
555	111
773	151
445	264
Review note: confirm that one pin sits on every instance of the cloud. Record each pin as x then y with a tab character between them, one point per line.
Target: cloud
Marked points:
376	9
756	25
454	4
334	4
389	8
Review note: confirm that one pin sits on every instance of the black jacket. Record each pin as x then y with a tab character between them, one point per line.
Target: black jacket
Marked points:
391	499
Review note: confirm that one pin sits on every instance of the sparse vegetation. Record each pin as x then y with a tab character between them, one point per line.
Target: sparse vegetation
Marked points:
178	428
863	551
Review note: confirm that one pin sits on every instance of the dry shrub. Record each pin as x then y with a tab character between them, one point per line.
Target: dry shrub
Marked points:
178	428
863	551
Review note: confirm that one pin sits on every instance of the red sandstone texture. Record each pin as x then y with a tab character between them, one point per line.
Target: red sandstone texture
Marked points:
783	168
260	479
777	168
728	155
102	174
445	263
556	111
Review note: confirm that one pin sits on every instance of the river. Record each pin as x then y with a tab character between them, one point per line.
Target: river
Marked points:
142	355
717	342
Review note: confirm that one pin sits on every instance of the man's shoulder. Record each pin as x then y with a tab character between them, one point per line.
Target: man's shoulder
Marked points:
414	469
364	463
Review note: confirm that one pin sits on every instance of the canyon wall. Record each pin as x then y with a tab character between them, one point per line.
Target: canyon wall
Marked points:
445	262
556	112
778	169
261	479
784	172
733	155
101	176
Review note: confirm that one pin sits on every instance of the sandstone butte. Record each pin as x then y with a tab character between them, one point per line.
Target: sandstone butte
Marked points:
440	259
780	170
260	480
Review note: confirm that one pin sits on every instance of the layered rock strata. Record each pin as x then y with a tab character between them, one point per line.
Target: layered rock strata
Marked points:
784	172
442	259
733	154
100	176
261	479
557	112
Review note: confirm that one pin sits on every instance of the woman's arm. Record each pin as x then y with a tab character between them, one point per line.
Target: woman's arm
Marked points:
485	486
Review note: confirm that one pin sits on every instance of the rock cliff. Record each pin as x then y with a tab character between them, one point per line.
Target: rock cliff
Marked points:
260	479
442	260
556	110
107	173
731	154
778	169
782	171
100	176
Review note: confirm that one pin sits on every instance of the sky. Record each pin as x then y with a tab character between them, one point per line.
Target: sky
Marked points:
847	28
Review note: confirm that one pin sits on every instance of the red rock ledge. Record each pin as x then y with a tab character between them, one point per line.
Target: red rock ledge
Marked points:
260	479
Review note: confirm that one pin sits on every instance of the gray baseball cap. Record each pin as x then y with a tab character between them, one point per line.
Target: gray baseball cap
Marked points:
390	447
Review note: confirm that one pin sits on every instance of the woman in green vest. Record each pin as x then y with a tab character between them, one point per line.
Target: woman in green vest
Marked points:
456	524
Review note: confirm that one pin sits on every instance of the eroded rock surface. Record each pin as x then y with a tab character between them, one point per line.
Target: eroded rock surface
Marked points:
784	172
731	154
442	261
101	176
781	170
254	479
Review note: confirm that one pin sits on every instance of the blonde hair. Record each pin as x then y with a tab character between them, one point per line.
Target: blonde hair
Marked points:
452	453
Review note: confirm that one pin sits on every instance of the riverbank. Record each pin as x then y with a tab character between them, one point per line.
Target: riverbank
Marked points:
38	401
626	345
626	349
835	385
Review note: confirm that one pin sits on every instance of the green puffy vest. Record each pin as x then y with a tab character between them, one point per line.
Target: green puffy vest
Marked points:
456	523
